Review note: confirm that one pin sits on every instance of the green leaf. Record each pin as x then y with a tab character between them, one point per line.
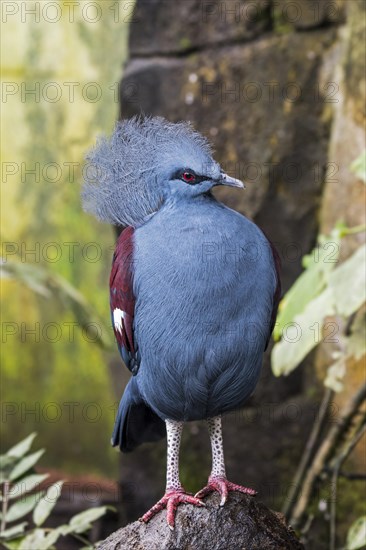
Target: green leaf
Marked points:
319	264
6	461
33	541
26	484
47	503
25	464
41	539
13	531
81	522
356	537
347	283
52	537
23	506
358	167
292	349
64	529
13	544
20	449
344	294
6	465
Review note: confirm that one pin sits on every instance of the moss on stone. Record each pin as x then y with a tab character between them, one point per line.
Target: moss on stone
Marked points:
185	43
280	24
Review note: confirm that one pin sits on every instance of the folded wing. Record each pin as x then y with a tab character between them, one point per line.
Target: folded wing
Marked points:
122	300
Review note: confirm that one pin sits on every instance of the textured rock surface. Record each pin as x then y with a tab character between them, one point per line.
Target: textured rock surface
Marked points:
242	524
193	24
305	14
344	194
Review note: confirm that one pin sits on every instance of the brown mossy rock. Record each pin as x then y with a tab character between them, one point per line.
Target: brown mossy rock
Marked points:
309	14
166	27
242	524
344	194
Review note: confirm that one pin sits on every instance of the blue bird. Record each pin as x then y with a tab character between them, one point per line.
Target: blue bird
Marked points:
194	291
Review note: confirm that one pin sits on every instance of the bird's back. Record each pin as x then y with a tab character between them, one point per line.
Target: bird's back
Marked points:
204	281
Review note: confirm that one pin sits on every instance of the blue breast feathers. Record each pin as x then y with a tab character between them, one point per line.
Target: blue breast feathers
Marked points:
205	282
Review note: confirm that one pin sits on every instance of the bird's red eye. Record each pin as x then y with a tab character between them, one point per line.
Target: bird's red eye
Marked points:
188	177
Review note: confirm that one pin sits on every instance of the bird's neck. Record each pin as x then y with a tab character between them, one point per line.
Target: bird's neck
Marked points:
177	203
179	200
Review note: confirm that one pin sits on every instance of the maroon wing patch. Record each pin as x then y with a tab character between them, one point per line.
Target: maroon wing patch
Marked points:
122	299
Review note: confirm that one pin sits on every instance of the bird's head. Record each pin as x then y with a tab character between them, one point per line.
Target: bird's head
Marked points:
146	162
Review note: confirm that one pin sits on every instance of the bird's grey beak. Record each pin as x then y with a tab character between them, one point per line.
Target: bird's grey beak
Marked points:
231	182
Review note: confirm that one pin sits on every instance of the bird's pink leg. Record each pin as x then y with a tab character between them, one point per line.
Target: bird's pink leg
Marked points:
174	493
217	480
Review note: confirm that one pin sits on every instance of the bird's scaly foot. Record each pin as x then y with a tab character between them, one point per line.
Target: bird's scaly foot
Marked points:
222	486
171	501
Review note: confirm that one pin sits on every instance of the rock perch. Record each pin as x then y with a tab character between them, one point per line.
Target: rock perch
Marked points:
242	524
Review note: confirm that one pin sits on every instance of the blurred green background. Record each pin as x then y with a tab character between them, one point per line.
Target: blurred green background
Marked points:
68	64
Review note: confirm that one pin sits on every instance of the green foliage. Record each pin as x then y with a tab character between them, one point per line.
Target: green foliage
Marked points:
25	464
46	503
19	450
356	537
44	215
83	521
50	285
22	507
281	24
26	484
22	536
358	167
324	289
318	266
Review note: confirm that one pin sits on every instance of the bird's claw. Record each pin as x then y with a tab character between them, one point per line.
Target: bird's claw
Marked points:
222	486
171	501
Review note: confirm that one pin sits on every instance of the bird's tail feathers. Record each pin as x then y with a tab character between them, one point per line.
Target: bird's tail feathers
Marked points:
136	422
